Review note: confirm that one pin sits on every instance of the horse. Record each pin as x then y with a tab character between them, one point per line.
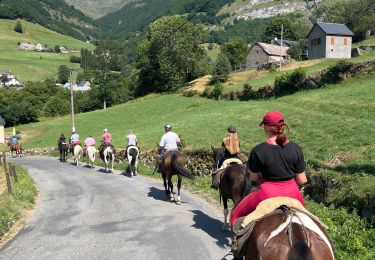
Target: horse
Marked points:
17	148
173	163
108	157
132	154
77	154
64	149
285	234
233	184
91	155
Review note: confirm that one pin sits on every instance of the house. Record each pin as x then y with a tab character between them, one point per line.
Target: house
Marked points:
329	40
263	53
286	43
63	50
7	79
2	134
82	86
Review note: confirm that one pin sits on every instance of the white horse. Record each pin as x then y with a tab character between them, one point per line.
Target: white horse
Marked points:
133	153
109	157
77	154
91	155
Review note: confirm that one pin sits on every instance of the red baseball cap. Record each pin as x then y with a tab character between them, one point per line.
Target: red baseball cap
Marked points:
273	118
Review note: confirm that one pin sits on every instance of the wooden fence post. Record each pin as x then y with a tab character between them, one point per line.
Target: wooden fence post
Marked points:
10	169
14	173
5	163
8	182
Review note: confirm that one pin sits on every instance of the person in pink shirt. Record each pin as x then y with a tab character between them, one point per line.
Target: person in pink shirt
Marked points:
107	137
90	141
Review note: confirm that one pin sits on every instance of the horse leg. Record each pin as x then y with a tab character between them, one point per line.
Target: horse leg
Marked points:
170	184
136	166
179	180
165	185
225	212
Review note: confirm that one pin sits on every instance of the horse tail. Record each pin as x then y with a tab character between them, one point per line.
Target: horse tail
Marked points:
300	251
181	170
134	156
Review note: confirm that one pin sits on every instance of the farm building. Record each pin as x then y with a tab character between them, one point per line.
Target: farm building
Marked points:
7	79
286	43
262	53
2	135
329	40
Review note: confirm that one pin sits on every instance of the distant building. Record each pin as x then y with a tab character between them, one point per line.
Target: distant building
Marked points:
329	40
7	79
286	43
263	53
63	50
82	86
2	134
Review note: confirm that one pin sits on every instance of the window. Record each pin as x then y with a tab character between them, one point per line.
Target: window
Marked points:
345	41
316	41
332	40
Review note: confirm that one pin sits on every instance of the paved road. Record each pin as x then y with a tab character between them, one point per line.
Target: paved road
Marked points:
87	214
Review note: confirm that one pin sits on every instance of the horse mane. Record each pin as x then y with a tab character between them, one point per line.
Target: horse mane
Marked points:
181	170
300	251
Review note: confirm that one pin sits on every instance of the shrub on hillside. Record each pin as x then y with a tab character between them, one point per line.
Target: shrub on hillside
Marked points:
55	107
190	93
221	70
75	59
217	92
338	72
18	27
291	82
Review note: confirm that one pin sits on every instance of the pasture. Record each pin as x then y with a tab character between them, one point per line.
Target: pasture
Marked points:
31	65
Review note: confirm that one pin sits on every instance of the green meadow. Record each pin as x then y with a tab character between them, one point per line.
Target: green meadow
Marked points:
32	65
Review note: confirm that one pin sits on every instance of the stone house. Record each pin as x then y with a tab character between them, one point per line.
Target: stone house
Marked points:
2	134
263	53
286	43
329	40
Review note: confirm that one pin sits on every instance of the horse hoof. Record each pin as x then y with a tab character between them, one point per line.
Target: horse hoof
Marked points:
171	199
178	202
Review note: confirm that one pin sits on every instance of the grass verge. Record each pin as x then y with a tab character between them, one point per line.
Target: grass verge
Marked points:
14	206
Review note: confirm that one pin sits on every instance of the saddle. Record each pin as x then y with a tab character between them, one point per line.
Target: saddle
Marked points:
220	172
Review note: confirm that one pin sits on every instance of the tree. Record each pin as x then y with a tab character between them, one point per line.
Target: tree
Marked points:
273	29
56	48
298	50
18	27
221	70
56	106
63	74
170	55
236	50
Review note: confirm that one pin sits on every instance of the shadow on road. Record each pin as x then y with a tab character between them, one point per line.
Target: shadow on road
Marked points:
156	194
211	226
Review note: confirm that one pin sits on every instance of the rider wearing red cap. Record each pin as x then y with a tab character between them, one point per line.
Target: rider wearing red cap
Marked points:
277	164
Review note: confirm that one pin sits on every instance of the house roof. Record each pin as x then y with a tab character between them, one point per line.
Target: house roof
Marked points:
2	121
274	50
286	43
5	72
334	29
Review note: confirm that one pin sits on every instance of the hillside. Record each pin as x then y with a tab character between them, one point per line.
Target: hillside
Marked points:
31	65
55	15
99	8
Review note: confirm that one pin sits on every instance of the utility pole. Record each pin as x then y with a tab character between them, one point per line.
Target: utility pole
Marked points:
72	100
281	45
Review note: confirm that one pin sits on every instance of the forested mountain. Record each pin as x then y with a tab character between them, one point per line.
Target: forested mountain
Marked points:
135	16
53	14
99	8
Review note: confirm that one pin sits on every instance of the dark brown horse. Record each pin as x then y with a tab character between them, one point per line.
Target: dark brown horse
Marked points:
232	183
63	148
173	163
15	148
280	235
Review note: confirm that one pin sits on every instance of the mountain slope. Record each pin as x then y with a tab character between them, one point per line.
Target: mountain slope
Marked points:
55	15
98	8
31	65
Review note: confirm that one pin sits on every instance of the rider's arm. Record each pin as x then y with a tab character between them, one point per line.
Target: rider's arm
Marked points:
300	178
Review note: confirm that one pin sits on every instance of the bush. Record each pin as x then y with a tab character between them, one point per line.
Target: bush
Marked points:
56	48
217	91
55	107
221	70
18	27
75	59
190	93
337	72
289	83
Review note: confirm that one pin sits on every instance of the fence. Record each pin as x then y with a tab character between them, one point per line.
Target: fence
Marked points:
10	171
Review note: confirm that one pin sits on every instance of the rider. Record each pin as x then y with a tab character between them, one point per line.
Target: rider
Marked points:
277	164
74	140
132	140
106	141
90	141
169	142
230	144
14	140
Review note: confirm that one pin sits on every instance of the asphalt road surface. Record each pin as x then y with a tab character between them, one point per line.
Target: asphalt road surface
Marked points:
88	214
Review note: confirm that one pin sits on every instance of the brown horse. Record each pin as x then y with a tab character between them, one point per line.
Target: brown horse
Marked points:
285	234
232	183
173	163
15	148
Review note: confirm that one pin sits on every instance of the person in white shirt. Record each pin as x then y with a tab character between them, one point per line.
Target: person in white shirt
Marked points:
169	142
132	138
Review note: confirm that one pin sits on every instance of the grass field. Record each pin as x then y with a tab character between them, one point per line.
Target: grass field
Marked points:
30	65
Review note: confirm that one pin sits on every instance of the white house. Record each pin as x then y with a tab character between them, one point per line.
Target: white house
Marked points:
10	79
82	86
